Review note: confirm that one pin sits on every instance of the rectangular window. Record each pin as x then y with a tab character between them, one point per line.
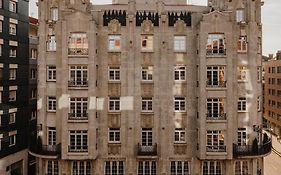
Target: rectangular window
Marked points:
33	74
33	53
51	104
259	73
52	167
241	168
114	168
242	73
216	76
12	118
114	73
78	141
259	103
147	73
51	43
114	135
51	73
13	51
212	168
52	136
240	17
1	22
273	70
147	103
180	168
146	137
180	135
13	6
114	43
54	13
78	76
179	104
78	44
1	49
147	43
215	109
12	74
114	104
180	73
12	95
179	43
216	44
242	44
242	136
78	109
12	139
215	141
147	168
13	29
81	168
242	104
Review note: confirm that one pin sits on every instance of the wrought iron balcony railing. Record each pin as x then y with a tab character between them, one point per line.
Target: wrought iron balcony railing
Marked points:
77	116
216	52
74	148
78	51
216	148
150	150
252	150
77	83
216	116
216	84
49	150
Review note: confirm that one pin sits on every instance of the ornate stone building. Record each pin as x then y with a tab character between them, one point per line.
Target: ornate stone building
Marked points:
150	87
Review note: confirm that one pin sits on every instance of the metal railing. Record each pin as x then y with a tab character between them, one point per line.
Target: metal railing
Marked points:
216	148
78	51
77	83
51	150
216	116
252	150
77	116
216	84
78	148
216	52
150	150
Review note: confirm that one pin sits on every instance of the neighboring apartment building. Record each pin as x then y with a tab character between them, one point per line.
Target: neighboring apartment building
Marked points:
150	87
272	93
14	104
33	54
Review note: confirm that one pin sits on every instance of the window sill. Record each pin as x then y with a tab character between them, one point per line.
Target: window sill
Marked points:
216	56
114	81
147	81
147	112
114	143
114	51
242	81
180	51
180	143
76	56
242	111
147	51
114	112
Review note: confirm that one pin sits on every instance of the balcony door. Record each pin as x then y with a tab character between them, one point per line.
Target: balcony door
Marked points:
146	137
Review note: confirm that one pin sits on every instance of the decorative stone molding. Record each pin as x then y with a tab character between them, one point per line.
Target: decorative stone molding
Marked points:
180	26
147	27
114	26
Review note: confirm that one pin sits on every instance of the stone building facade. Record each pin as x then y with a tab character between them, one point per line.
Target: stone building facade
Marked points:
150	87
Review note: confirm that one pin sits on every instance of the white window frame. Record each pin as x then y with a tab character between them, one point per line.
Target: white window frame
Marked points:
242	137
180	73
12	28
147	43
51	73
242	167
12	139
180	135
52	167
215	166
259	103
114	104
215	107
147	104
81	168
215	139
147	73
180	168
78	44
114	73
242	104
81	70
54	13
13	51
12	118
180	43
242	44
52	138
242	73
51	43
216	44
13	6
33	74
240	15
12	95
80	138
12	74
114	43
179	104
216	75
147	167
146	137
114	168
114	135
51	104
78	107
259	72
33	53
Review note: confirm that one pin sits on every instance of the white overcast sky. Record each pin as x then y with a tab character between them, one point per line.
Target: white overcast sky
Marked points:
271	19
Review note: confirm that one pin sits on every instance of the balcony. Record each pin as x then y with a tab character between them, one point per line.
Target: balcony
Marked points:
77	116
216	52
78	149
77	51
77	83
147	150
216	148
215	116
45	150
251	150
216	84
